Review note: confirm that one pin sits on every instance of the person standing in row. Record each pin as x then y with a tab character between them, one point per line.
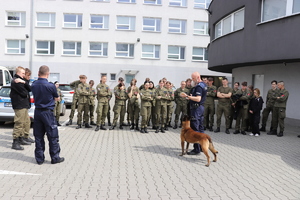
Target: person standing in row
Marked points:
233	111
209	104
45	95
181	103
152	115
120	105
255	107
83	90
271	97
92	95
103	96
133	104
74	86
224	102
57	107
170	105
161	96
146	97
278	113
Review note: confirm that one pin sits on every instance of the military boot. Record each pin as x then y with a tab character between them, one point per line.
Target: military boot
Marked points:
142	130
97	128
162	129
157	129
102	127
86	125
137	127
69	123
93	123
16	145
112	127
175	126
108	122
78	126
263	129
58	124
272	132
23	142
169	124
132	126
145	129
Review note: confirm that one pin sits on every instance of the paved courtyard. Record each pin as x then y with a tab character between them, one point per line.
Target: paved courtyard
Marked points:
124	164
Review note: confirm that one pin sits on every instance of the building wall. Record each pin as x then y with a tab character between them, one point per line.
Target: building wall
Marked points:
70	67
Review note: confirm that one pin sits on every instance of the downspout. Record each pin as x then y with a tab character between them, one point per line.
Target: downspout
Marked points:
31	35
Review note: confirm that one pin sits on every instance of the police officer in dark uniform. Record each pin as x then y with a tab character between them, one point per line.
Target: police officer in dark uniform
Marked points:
45	95
197	99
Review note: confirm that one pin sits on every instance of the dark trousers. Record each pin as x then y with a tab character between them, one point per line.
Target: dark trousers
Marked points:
255	122
197	117
44	122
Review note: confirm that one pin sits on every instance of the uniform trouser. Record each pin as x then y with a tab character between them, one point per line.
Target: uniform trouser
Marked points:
152	116
278	115
161	114
92	110
231	115
128	110
44	122
265	115
83	108
209	112
255	122
180	109
223	108
134	112
169	112
145	113
108	112
119	110
22	121
73	107
102	109
56	110
242	115
197	117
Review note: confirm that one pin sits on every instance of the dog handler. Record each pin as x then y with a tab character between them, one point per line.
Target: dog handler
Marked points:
196	104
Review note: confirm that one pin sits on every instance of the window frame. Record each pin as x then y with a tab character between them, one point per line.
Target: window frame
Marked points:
129	25
20	44
129	45
101	51
204	55
180	28
179	53
75	23
206	4
155	27
156	2
129	1
105	26
75	49
21	22
205	30
49	47
181	2
101	0
154	49
51	17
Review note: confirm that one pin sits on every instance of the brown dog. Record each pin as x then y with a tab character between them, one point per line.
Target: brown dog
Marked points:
191	136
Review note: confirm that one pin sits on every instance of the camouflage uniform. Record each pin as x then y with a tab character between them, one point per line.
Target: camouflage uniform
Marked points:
133	106
83	91
271	97
120	106
243	111
170	106
103	96
161	107
57	107
74	86
209	107
181	104
92	95
147	97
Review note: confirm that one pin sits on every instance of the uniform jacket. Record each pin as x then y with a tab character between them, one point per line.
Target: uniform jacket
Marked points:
74	86
256	105
121	97
225	90
19	94
245	98
163	92
103	93
133	98
83	92
181	100
283	97
147	97
170	96
210	95
92	95
271	97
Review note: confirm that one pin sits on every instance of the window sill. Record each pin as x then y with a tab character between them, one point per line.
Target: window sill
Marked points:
36	54
200	34
15	26
52	27
150	58
71	55
126	2
100	1
276	19
176	60
149	4
178	6
124	57
104	29
125	30
98	56
177	33
151	31
203	61
227	34
19	54
72	28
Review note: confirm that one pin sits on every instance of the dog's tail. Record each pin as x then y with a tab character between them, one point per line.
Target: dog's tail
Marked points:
211	146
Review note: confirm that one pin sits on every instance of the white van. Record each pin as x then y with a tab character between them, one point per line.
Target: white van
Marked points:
5	77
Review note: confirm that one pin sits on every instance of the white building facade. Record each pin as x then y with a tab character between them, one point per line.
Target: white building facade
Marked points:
119	38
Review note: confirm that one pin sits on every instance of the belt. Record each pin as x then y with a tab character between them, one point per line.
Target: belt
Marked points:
44	109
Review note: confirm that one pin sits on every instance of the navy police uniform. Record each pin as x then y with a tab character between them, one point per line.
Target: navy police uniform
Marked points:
197	111
44	120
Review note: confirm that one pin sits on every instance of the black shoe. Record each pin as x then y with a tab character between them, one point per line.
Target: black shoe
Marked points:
121	126
273	132
58	124
78	126
153	127
69	123
97	128
204	128
166	128
263	129
211	129
93	123
132	126
108	124
87	125
280	134
157	130
61	159
16	145
243	133
137	127
192	153
162	129
40	163
236	132
217	130
227	131
169	125
112	128
102	127
142	130
23	142
298	136
145	129
180	126
175	126
29	139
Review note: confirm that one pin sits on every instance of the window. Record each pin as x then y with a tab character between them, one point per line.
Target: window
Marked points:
200	28
72	48
101	0
199	54
125	23
112	77
45	47
15	46
181	3
45	19
230	23
99	21
16	18
72	20
124	50
201	4
126	1
98	49
272	9
176	52
151	24
150	51
153	2
177	26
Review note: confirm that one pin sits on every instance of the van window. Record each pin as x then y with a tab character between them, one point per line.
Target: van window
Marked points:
1	78
7	77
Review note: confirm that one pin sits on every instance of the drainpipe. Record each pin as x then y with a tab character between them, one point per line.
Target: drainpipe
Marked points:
31	34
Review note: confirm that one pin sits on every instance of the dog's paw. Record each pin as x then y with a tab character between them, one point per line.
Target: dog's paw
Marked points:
214	160
207	165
